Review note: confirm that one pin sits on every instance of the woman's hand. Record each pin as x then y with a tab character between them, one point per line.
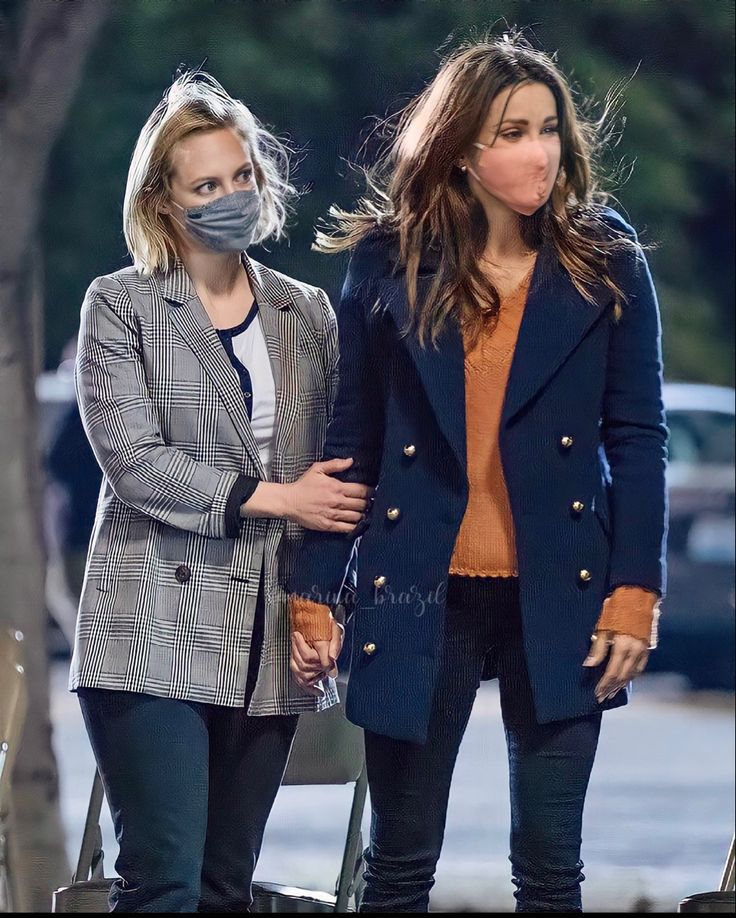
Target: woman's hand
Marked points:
318	501
310	664
629	657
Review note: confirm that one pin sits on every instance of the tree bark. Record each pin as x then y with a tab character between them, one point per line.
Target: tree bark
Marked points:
42	66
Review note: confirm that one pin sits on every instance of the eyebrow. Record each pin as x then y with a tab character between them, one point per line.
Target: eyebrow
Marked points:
213	178
524	120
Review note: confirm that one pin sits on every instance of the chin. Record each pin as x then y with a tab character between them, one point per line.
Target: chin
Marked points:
534	210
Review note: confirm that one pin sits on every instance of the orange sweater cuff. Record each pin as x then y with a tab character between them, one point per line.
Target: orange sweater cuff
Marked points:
631	610
313	620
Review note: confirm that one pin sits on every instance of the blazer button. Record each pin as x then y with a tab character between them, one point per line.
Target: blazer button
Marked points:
369	648
584	575
566	442
379	581
393	513
182	573
578	506
410	449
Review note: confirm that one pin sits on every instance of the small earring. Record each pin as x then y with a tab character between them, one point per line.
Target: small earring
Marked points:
463	168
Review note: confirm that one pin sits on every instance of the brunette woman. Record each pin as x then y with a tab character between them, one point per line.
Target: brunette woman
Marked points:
501	388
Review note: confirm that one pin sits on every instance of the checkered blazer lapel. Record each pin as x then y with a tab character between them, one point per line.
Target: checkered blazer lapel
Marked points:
280	323
280	330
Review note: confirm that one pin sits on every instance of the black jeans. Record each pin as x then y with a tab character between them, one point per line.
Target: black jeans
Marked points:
549	768
190	787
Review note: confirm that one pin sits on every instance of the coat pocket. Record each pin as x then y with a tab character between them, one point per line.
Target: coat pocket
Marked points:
601	512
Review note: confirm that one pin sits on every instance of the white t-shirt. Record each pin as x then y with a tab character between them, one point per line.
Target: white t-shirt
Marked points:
245	345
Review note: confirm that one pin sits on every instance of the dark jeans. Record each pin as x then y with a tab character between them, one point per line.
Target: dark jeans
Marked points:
549	768
190	787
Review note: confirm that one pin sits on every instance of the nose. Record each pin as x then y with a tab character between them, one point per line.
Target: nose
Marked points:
538	155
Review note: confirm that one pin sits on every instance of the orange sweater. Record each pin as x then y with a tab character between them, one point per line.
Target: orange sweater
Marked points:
485	544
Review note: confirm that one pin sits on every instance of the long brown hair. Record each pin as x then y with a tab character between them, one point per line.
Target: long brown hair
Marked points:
417	191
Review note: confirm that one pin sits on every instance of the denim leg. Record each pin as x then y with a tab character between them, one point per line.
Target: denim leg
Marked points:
152	754
248	760
410	782
248	757
549	770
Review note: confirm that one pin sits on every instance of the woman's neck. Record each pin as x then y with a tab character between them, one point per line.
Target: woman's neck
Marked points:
217	273
504	243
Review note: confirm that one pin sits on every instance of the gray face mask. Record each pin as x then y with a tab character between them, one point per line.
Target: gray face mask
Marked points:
227	224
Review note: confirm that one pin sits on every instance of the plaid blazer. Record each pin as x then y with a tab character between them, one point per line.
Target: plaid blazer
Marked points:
168	600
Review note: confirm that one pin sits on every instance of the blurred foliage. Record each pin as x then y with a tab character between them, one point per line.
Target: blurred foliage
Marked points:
319	72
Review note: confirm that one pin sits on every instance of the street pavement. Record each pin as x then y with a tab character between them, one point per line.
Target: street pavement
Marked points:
658	820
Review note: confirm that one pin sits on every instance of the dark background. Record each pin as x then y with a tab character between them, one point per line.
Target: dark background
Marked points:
319	72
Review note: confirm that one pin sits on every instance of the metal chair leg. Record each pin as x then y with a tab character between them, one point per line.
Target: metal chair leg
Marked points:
90	863
728	880
353	845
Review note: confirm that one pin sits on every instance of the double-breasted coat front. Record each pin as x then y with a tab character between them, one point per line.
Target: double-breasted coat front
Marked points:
582	420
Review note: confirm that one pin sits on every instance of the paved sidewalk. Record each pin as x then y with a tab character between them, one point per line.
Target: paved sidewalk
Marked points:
658	819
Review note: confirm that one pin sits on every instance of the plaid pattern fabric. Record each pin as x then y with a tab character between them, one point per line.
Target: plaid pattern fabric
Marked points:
168	600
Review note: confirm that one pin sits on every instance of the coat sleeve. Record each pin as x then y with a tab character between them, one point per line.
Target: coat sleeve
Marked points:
356	430
121	424
331	349
635	434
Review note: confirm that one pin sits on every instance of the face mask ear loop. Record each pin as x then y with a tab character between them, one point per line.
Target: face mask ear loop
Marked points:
176	219
480	146
474	174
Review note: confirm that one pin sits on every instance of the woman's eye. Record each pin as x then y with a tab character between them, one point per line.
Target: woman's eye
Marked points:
512	135
248	173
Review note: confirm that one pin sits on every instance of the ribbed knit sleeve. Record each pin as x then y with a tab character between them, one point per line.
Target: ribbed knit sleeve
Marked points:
313	620
631	610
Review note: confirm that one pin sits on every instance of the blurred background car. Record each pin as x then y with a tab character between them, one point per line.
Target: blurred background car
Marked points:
696	634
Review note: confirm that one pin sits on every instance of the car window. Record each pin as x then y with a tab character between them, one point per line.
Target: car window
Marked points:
701	436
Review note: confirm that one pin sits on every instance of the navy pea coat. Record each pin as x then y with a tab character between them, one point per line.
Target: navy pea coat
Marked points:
582	420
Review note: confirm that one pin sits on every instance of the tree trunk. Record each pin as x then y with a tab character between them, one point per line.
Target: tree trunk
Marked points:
41	70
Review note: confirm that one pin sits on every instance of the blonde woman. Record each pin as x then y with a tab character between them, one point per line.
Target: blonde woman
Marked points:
205	382
501	386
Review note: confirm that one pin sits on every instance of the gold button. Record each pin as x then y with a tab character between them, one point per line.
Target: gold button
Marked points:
566	442
369	648
393	513
585	575
578	506
379	581
410	449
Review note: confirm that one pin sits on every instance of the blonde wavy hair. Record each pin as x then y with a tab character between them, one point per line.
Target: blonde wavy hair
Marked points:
417	193
194	102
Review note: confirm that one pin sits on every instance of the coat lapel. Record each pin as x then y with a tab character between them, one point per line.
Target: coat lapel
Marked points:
556	317
280	323
190	318
442	371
